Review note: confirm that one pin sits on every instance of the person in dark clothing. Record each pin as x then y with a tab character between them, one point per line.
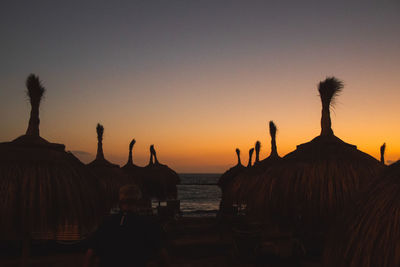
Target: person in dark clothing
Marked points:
127	238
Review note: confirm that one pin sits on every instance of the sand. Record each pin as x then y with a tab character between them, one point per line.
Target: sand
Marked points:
193	242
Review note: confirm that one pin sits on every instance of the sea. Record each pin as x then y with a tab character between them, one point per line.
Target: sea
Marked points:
199	194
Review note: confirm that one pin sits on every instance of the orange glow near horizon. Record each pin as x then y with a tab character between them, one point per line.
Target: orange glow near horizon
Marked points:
201	141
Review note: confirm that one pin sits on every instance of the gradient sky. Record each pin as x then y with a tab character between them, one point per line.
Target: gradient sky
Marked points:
200	78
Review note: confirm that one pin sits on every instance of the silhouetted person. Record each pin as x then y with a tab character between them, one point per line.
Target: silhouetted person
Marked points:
127	239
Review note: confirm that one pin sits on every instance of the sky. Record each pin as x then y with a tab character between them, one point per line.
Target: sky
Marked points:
200	78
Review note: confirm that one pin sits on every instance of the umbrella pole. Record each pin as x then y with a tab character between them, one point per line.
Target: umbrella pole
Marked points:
26	246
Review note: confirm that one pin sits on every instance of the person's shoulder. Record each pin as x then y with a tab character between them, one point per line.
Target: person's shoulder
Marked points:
111	220
148	221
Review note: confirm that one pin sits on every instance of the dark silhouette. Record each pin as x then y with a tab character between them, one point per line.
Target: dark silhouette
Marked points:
253	188
257	148
383	148
228	198
368	234
224	182
129	164
127	238
162	178
43	188
110	175
321	177
231	173
251	151
272	132
135	172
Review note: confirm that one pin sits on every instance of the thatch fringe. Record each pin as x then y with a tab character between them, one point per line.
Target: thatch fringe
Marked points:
35	92
252	186
328	90
136	174
232	172
110	175
245	187
160	180
317	190
46	193
225	182
368	234
111	178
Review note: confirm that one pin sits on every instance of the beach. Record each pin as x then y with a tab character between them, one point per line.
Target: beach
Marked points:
196	238
193	241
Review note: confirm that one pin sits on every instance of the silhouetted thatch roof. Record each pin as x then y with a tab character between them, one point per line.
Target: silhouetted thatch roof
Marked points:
110	176
368	235
317	180
227	176
43	187
136	173
251	186
225	182
160	180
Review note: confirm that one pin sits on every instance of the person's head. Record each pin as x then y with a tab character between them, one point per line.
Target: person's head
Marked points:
129	198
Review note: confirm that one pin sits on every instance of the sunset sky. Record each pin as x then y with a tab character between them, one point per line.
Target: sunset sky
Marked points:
199	78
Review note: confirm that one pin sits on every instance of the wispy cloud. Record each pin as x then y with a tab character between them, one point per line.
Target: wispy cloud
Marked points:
80	153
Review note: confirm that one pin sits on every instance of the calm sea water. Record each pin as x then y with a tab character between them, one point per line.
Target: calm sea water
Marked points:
199	194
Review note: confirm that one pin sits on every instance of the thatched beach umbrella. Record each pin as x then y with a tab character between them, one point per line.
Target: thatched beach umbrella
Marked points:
228	197
224	182
110	175
42	187
227	176
231	191
252	187
368	235
135	172
161	179
129	164
321	177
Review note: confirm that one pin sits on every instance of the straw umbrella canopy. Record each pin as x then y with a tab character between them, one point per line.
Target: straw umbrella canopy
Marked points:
110	175
42	187
368	234
137	173
232	190
321	177
227	176
161	180
252	187
227	179
149	183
